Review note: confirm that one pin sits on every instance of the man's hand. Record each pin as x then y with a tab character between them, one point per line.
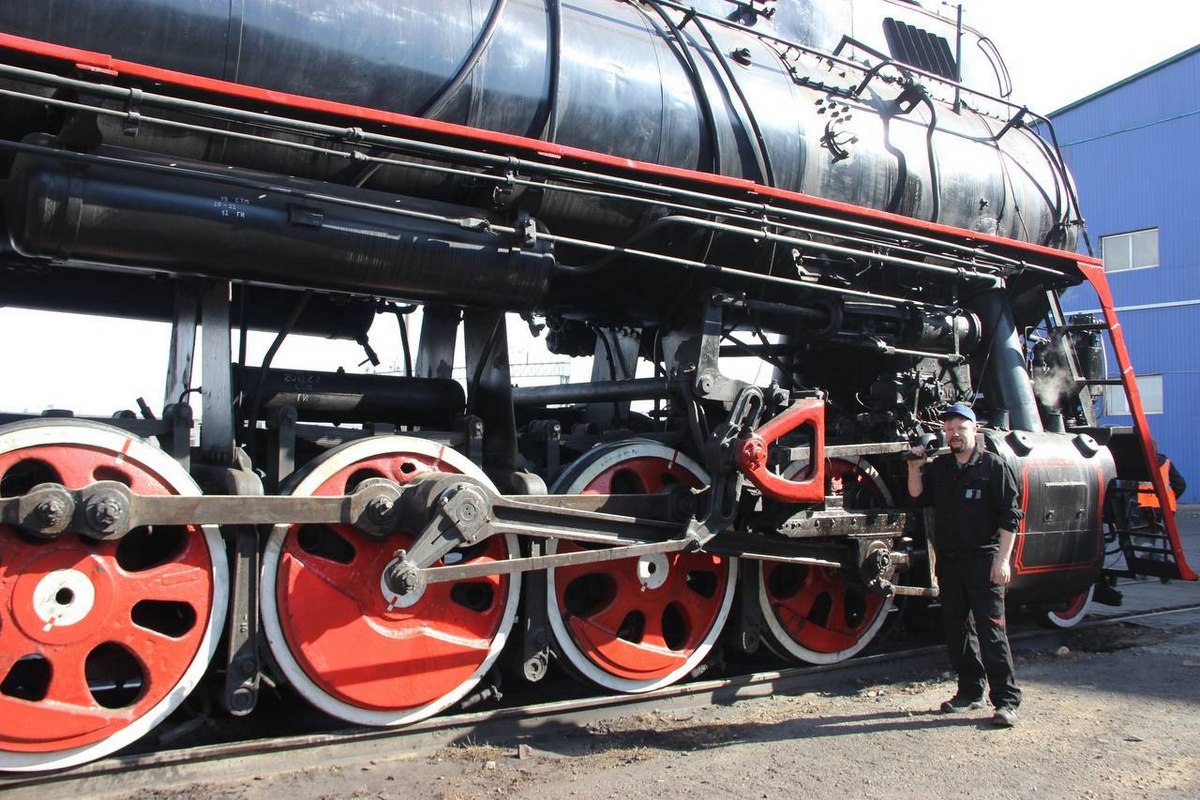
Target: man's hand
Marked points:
916	459
1001	571
1002	563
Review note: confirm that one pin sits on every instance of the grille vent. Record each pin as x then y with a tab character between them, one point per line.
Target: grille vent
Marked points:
920	48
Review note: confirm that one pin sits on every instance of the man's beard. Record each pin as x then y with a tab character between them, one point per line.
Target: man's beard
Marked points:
959	446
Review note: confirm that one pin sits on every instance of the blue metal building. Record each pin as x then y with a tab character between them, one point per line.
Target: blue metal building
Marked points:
1134	148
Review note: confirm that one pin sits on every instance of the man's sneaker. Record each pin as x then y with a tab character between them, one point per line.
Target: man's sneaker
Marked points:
960	703
1005	717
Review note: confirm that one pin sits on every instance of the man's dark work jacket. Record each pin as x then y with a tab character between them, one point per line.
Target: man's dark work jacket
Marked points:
973	503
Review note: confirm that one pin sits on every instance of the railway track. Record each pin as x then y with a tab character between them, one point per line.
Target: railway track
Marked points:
123	775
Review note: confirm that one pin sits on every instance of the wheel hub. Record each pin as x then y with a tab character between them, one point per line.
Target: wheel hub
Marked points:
63	598
653	571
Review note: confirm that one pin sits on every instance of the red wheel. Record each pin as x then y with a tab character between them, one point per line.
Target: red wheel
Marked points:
346	642
1073	613
813	614
99	641
637	624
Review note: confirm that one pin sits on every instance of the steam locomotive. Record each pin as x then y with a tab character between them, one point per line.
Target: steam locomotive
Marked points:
787	233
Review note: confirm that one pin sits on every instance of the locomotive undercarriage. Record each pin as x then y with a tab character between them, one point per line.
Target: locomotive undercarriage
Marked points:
384	543
421	504
366	557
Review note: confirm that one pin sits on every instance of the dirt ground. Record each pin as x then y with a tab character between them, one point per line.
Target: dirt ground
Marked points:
1109	715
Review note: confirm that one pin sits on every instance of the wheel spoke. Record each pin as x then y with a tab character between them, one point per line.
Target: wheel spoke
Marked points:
607	619
68	684
178	582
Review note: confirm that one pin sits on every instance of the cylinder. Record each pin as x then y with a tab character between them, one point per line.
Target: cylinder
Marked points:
247	227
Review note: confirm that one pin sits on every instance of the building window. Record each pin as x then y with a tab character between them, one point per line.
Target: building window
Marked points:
1150	387
1134	250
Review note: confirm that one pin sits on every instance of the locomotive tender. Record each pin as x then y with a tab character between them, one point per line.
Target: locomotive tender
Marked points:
839	192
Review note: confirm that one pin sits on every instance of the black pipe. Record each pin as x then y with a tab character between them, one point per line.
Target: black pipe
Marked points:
1006	373
596	392
549	129
437	103
762	156
349	398
697	82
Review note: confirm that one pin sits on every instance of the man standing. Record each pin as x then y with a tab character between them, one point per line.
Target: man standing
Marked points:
974	496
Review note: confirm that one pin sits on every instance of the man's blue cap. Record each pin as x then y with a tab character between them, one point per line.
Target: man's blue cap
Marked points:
960	410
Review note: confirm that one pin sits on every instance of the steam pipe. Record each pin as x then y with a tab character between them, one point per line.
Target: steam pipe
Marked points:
1006	372
596	392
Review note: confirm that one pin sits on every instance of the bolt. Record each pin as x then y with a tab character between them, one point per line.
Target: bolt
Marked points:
402	577
242	699
104	511
535	668
467	512
756	452
407	580
49	513
380	508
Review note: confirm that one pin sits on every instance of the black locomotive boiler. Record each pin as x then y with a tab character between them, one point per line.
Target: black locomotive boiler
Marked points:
837	198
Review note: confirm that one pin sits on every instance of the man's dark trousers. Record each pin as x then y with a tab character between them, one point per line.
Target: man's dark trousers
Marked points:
970	603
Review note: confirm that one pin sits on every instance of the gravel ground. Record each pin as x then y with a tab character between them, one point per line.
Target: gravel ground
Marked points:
1112	714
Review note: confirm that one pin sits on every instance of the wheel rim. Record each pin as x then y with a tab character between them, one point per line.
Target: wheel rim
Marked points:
1074	612
99	641
640	623
347	644
813	614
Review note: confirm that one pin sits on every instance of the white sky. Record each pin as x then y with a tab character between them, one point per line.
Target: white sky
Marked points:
1057	51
